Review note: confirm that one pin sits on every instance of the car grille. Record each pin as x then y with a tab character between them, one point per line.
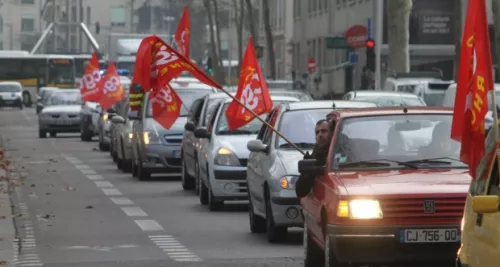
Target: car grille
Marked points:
230	175
173	139
413	208
56	115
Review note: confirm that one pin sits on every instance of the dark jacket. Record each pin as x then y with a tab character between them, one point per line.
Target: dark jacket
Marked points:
306	181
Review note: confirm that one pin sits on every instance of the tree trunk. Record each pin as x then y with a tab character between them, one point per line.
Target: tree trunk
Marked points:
399	36
269	40
217	35
213	46
495	6
458	34
251	23
239	23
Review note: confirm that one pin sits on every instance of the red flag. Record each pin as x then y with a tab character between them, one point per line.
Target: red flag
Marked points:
89	88
475	80
165	105
111	88
141	77
252	92
182	37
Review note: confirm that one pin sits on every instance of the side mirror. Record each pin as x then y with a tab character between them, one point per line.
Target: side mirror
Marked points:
118	119
485	204
308	166
256	146
201	133
111	115
190	126
111	110
133	116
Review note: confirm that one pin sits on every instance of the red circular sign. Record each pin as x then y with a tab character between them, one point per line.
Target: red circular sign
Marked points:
356	36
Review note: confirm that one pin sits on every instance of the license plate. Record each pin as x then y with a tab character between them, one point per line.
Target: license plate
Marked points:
176	154
429	235
63	122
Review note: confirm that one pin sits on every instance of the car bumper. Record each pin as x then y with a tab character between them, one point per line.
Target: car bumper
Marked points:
380	244
162	159
70	127
286	208
229	183
10	102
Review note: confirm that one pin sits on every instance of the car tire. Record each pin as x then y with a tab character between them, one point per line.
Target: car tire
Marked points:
134	169
203	192
197	178
127	166
213	203
143	174
275	234
313	255
103	146
329	257
186	179
114	156
42	134
119	164
21	106
27	99
257	223
53	134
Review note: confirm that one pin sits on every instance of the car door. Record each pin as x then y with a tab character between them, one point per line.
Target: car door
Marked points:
189	141
205	147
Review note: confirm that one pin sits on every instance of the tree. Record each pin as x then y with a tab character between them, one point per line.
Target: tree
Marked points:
217	36
239	18
399	34
251	21
269	39
213	46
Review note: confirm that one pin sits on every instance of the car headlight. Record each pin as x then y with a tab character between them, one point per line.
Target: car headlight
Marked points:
226	157
130	135
150	137
105	116
462	224
360	209
288	182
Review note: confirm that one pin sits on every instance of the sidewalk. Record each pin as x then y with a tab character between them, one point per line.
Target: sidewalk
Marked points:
7	230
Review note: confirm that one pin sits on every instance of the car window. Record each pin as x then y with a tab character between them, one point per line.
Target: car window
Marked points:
271	119
64	98
263	129
304	135
210	109
433	99
192	110
187	97
10	88
405	138
392	101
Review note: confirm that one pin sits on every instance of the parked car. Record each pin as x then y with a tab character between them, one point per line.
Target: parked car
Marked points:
60	113
272	164
43	94
382	192
223	156
11	94
386	99
90	113
156	149
123	141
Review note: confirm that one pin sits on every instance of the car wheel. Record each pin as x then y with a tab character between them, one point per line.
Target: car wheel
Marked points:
134	169
119	164
313	256
143	174
197	178
53	134
274	233
213	203
103	146
27	99
21	106
114	156
42	134
329	257
187	180
203	192
127	166
257	223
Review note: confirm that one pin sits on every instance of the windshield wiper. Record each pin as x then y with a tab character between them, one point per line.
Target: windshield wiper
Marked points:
300	145
378	163
440	160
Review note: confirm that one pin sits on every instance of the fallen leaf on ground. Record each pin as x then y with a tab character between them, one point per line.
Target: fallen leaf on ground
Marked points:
89	207
68	188
3	262
32	185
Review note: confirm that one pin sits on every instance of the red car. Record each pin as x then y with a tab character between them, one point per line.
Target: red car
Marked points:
392	191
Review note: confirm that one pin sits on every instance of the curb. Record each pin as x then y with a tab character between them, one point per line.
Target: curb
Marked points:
7	229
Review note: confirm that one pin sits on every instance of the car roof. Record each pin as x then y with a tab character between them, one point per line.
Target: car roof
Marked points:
11	83
48	88
384	93
72	90
220	95
191	86
273	97
339	104
366	112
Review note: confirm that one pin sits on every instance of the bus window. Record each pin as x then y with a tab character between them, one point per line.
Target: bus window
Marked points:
61	72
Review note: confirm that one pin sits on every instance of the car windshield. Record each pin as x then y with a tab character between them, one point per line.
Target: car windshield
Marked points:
391	101
252	127
10	88
64	98
303	136
302	96
46	93
188	96
61	72
420	141
434	99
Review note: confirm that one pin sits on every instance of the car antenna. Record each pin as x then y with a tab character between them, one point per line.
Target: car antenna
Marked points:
405	110
333	105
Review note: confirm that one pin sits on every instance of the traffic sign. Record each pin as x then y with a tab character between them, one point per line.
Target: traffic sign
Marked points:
311	64
353	57
336	43
356	35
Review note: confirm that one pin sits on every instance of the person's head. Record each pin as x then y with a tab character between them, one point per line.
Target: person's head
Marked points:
324	132
329	116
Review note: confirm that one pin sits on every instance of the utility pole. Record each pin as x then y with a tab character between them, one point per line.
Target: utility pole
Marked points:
379	32
80	19
68	44
54	30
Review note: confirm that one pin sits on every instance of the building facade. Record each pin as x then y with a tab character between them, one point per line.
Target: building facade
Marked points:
20	24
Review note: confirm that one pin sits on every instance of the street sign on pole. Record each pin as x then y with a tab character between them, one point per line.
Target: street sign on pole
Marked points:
311	64
336	43
353	57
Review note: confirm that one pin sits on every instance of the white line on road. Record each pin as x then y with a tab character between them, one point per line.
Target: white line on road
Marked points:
173	248
111	191
82	167
95	177
103	184
88	171
121	201
134	212
149	225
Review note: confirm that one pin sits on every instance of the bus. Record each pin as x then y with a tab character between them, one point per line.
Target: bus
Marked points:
35	71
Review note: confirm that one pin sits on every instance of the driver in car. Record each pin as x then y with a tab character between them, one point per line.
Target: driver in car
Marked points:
441	144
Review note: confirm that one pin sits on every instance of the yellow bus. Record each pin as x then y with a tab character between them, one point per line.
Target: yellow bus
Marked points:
35	71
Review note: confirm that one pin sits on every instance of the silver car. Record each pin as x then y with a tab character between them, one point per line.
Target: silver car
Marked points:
11	94
122	140
43	94
60	113
156	149
272	165
386	98
223	157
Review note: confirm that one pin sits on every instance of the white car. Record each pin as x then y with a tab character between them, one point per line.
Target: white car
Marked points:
90	114
61	113
11	94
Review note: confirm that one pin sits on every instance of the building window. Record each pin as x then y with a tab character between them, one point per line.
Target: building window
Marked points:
27	25
118	16
27	2
74	14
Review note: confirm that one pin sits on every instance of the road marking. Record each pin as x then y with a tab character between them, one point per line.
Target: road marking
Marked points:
121	201
88	171
111	191
95	177
25	254
82	167
173	248
103	184
149	225
134	212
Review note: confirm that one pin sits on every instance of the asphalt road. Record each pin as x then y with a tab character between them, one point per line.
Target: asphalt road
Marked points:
76	209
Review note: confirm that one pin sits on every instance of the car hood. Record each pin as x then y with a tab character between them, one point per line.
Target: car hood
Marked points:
290	159
406	182
236	143
176	129
62	108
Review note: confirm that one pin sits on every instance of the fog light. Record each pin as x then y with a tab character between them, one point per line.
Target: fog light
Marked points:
292	213
229	187
154	160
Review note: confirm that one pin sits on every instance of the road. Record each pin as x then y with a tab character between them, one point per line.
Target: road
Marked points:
76	209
